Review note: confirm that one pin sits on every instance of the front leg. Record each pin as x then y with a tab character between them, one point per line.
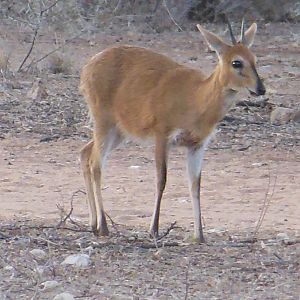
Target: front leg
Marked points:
161	153
194	167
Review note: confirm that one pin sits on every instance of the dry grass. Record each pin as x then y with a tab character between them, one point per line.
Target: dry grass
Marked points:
58	63
128	264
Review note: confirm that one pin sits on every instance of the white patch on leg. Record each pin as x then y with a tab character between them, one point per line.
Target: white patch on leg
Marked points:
112	140
195	159
194	167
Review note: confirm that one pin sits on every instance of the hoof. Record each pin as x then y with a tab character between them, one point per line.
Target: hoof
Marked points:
95	231
153	234
198	241
102	227
104	232
100	232
193	240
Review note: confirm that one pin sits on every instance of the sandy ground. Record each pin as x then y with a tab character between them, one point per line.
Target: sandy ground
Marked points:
35	177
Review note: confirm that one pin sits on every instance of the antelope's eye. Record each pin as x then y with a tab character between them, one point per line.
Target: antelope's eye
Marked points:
237	64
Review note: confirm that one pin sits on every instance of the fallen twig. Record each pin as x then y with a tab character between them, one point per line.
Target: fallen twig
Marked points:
251	240
63	218
291	242
171	227
49	138
266	202
259	103
113	223
157	245
68	215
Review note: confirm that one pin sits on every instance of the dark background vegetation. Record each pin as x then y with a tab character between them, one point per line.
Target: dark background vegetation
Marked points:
149	16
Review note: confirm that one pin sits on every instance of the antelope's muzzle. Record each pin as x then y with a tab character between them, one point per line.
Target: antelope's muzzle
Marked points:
260	88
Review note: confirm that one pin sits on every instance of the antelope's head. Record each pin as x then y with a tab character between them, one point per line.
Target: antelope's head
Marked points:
237	62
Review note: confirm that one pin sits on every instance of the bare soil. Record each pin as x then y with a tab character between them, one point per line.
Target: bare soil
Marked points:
248	163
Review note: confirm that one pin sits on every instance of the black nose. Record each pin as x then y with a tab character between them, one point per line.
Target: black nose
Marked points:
260	89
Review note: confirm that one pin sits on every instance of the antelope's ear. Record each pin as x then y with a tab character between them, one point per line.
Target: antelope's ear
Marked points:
250	35
213	41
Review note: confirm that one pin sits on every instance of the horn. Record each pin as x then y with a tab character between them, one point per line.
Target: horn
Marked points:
243	41
233	40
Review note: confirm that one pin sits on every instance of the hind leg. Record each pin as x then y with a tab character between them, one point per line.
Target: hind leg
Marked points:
111	140
85	159
97	152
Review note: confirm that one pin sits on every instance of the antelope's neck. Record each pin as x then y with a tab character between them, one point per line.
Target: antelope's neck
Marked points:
219	97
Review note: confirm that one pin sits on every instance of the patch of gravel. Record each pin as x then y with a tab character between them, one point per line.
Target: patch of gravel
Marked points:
130	265
57	113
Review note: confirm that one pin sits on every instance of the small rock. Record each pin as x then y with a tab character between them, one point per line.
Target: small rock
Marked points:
38	253
259	164
64	296
282	115
78	260
49	285
282	236
8	268
134	167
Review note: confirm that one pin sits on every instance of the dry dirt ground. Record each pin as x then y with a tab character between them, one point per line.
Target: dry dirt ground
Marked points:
249	163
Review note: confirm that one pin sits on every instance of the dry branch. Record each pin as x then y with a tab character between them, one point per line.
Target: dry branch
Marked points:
157	245
54	50
258	103
266	202
35	33
291	242
113	223
169	229
30	49
65	216
170	15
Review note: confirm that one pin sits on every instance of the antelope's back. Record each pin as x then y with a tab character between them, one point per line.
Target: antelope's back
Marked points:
115	67
129	86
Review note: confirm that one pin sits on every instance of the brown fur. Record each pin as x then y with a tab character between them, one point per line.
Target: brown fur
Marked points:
137	92
132	87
